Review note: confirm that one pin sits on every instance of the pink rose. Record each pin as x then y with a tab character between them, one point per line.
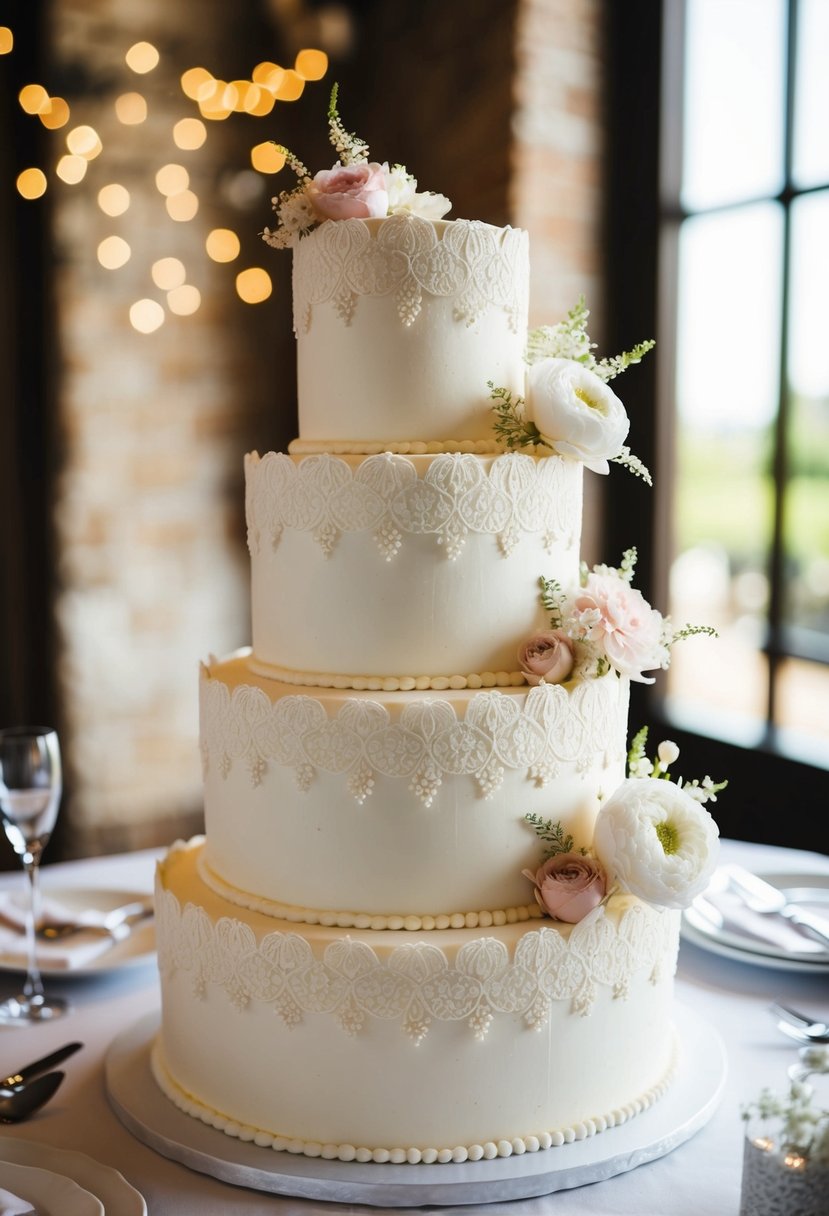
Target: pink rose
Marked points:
568	886
620	622
349	192
547	655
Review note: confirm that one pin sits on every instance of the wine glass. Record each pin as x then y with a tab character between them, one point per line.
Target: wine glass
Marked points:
30	791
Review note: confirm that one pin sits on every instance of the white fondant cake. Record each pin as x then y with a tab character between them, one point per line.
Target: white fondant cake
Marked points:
362	958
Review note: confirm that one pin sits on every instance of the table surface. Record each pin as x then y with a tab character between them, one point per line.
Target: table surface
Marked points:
701	1178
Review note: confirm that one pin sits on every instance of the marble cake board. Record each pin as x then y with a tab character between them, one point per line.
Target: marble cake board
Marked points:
152	1118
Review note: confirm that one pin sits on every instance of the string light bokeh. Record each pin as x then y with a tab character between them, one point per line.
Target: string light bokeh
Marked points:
215	100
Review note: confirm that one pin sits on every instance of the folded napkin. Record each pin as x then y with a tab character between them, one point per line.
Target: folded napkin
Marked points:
771	930
11	1205
65	953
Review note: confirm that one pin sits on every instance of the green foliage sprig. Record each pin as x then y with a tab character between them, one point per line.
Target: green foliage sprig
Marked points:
349	147
570	340
692	631
551	597
553	834
510	426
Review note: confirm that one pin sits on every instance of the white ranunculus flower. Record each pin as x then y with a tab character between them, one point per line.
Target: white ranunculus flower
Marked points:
404	197
576	413
656	842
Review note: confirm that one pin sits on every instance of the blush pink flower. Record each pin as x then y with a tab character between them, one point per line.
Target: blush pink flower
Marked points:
349	192
547	656
568	886
620	623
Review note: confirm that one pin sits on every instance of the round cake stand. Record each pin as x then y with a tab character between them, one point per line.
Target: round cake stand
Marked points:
686	1107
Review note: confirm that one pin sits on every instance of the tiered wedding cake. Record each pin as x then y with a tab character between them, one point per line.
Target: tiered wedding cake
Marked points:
367	956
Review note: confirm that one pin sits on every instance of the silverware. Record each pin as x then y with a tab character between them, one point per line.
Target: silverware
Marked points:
18	1104
802	1036
800	1021
117	924
762	897
17	1079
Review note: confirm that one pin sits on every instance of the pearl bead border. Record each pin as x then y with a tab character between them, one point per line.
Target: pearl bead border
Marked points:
401	447
486	1151
365	920
312	679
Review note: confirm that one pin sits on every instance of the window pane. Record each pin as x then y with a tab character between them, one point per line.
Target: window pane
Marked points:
734	101
806	518
803	709
811	114
727	376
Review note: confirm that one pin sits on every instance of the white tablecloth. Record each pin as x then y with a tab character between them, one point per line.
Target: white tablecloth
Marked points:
701	1178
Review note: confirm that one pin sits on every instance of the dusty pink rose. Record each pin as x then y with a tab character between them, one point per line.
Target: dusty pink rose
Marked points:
349	192
547	656
620	622
568	886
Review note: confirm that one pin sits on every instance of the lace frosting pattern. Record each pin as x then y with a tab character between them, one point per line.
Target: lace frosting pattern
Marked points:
550	727
416	983
457	495
478	267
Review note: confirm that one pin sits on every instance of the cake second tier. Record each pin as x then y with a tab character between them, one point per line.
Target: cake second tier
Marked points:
398	809
417	571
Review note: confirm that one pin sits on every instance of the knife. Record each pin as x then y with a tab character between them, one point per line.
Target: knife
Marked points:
761	896
39	1066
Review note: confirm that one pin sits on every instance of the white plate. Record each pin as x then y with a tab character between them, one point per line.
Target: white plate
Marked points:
809	889
50	1194
136	950
110	1187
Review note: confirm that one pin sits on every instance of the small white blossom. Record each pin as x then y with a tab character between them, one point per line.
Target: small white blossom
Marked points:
668	753
641	767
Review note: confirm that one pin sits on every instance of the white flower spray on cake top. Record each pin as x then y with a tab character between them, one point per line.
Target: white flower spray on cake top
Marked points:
354	188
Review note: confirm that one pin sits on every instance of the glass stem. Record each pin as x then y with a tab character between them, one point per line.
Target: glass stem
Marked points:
33	988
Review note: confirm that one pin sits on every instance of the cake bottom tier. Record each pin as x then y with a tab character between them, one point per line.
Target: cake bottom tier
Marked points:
422	1046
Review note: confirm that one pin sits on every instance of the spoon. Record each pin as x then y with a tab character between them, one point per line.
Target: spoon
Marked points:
18	1104
116	924
801	1035
800	1021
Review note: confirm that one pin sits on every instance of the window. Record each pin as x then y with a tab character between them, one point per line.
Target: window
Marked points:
717	244
746	207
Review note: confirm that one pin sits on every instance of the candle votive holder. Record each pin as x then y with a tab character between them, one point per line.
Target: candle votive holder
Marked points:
779	1181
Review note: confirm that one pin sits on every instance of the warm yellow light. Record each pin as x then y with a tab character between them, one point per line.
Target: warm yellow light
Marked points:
311	65
189	133
84	141
267	158
172	179
182	206
131	109
72	169
184	300
56	115
114	252
222	245
113	199
33	98
247	95
264	103
290	88
142	57
262	72
146	316
253	285
168	273
273	79
31	183
193	82
217	99
6	40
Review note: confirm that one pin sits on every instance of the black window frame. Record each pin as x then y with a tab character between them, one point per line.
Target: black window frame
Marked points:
772	798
